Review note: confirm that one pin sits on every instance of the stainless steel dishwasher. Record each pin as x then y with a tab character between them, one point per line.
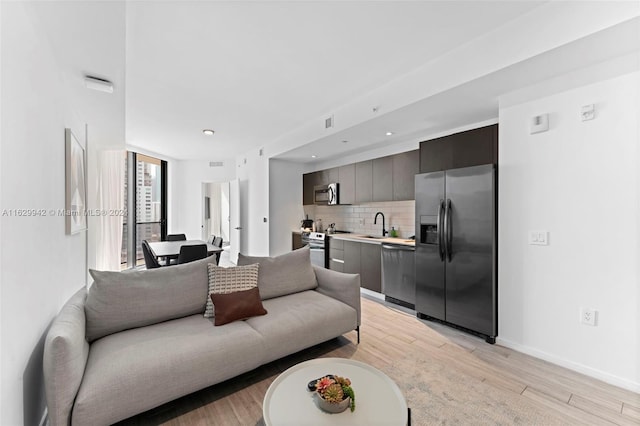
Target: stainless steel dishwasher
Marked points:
398	274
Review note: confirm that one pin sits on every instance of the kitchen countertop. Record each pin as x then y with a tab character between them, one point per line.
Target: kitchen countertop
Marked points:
362	238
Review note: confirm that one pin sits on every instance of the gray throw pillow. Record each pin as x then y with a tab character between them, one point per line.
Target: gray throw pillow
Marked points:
119	301
285	274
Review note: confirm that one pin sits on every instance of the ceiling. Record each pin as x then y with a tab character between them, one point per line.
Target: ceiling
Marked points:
477	100
255	71
263	73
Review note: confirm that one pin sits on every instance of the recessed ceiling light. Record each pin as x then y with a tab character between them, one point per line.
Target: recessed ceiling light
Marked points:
313	156
208	132
345	141
389	133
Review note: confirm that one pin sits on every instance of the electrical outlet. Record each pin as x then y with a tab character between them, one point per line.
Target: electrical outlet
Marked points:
361	221
589	316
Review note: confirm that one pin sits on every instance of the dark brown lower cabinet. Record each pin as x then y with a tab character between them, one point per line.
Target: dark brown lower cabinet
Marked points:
353	257
371	267
296	240
336	265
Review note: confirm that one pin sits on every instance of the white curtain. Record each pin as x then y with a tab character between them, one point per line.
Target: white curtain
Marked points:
111	172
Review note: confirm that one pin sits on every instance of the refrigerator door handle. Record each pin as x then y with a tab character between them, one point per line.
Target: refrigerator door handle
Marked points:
447	229
441	248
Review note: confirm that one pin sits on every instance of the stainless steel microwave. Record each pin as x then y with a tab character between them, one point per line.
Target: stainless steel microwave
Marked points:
326	194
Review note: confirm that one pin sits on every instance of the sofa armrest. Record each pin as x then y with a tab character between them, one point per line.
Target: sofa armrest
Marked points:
340	286
65	357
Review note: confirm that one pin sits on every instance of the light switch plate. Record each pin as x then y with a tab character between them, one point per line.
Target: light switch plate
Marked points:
539	238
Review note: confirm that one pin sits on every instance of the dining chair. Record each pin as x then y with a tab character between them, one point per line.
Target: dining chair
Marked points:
217	241
192	252
211	239
176	237
149	259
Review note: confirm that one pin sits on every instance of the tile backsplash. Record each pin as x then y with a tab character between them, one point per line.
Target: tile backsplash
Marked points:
359	218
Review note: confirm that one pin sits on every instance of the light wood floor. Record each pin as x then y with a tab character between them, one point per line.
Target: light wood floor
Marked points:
389	335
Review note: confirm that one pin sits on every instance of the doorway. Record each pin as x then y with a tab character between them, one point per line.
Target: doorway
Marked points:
215	212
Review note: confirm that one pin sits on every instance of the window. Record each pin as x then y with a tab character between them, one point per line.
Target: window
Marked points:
145	198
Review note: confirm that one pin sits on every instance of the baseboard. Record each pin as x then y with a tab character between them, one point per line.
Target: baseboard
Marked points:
583	369
373	294
44	420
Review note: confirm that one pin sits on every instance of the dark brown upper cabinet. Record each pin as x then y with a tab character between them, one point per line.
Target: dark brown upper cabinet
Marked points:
382	170
347	182
325	177
464	149
406	166
388	178
364	182
308	182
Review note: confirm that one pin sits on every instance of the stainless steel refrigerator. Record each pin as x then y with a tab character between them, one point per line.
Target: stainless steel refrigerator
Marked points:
455	260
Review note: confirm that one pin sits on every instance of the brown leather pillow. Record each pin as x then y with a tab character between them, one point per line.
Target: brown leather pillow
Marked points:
236	306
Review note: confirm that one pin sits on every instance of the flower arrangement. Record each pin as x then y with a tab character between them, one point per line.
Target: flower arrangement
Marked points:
335	390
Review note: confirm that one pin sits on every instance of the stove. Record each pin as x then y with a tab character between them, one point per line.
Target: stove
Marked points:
316	242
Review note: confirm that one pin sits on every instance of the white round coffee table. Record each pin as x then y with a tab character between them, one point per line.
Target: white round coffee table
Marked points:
378	399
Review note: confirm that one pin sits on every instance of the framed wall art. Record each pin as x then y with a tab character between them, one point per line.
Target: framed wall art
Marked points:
76	185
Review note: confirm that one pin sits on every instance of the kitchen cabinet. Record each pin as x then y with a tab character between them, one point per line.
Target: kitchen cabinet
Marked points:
329	176
313	179
347	182
296	240
336	254
357	258
406	166
352	257
470	148
382	179
364	182
308	182
371	266
335	265
388	178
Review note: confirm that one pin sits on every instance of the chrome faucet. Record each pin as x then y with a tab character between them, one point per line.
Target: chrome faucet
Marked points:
375	219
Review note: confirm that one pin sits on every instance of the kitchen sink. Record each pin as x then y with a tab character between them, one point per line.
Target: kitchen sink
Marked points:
374	237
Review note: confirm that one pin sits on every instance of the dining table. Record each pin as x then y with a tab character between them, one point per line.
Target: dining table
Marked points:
171	249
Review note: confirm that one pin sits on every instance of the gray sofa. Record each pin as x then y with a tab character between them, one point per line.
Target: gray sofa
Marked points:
137	340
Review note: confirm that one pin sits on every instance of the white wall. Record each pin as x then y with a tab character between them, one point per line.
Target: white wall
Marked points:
253	172
285	204
579	181
187	201
41	266
224	212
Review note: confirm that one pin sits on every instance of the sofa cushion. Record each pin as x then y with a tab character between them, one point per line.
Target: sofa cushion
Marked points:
135	370
237	306
119	301
300	320
288	273
229	280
